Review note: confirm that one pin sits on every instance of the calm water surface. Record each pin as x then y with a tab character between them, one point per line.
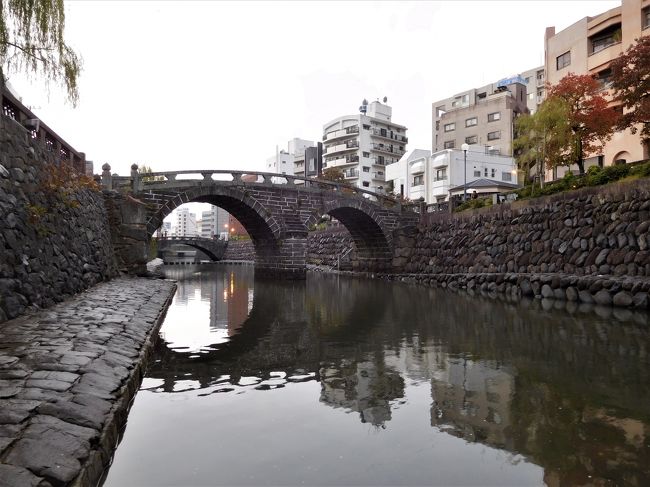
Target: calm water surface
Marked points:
341	381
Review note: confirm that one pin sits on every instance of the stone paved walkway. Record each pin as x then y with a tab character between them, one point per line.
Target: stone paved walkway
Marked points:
67	376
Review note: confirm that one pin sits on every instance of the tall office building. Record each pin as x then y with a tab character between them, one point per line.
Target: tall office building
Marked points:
184	223
214	222
363	144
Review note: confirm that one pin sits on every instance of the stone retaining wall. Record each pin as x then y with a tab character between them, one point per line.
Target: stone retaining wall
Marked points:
52	245
327	246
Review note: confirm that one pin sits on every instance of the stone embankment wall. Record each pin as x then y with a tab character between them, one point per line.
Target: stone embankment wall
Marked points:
52	244
240	250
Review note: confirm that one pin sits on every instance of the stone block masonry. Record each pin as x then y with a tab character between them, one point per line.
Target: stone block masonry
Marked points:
67	377
52	245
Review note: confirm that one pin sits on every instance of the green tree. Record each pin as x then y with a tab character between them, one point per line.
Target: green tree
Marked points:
31	41
541	137
333	174
631	86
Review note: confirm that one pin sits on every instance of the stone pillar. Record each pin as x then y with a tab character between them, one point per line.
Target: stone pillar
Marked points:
107	179
284	259
135	179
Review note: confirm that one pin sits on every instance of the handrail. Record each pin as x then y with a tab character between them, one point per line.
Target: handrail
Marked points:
171	176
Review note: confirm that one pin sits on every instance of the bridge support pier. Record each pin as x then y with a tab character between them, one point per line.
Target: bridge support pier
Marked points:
285	259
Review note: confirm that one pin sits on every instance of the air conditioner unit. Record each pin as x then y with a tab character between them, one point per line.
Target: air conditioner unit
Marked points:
32	124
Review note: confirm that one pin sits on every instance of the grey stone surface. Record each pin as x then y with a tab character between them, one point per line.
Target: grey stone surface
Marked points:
65	369
11	476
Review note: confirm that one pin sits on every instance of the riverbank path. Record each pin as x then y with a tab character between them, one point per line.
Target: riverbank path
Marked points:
67	376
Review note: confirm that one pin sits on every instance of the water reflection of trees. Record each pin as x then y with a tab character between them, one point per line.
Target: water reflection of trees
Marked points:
569	390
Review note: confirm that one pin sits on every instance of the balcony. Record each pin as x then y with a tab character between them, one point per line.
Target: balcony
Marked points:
341	161
385	134
351	173
338	134
350	144
379	176
388	149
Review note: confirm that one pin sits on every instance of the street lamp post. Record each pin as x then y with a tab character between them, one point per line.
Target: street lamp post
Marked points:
465	148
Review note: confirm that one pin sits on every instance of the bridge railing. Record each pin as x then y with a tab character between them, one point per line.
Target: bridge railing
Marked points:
159	180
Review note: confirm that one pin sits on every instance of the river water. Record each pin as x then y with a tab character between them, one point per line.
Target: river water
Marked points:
344	381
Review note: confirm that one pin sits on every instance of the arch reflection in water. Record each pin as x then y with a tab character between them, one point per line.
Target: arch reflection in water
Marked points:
566	390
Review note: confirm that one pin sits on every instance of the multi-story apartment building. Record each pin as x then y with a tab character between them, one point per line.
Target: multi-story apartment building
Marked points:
481	117
438	176
535	81
184	223
363	144
588	47
290	161
214	222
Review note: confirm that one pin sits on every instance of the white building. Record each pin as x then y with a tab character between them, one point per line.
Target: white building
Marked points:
214	222
297	148
290	161
280	163
435	177
184	223
362	145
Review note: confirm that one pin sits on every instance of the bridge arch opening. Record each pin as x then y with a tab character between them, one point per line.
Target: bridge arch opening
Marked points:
372	247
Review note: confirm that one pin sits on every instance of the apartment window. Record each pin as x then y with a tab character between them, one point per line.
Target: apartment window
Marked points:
366	127
494	135
418	180
493	173
366	154
506	176
493	117
606	38
531	96
441	174
604	77
470	122
563	61
540	76
482	95
450	144
485	172
645	17
472	139
366	169
440	111
449	127
365	184
528	80
477	174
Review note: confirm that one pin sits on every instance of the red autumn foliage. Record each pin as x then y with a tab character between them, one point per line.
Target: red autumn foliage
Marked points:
591	119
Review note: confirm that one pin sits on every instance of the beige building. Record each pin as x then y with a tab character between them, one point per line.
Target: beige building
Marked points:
481	117
588	47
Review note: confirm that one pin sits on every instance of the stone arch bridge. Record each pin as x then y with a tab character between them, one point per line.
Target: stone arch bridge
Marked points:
276	210
213	248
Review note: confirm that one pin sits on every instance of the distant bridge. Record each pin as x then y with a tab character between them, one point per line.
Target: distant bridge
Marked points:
213	248
276	210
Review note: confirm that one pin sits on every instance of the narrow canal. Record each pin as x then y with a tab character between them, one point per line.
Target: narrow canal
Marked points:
342	381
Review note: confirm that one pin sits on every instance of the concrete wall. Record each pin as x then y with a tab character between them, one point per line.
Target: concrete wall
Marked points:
51	245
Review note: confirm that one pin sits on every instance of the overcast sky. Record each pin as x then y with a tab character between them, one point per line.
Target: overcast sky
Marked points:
217	85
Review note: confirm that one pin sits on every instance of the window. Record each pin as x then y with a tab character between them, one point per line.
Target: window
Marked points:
366	154
470	122
366	169
506	176
449	127
472	139
480	96
527	79
440	111
418	180
485	172
605	38
604	77
450	144
477	174
493	172
494	135
645	17
441	174
531	96
493	117
366	127
365	184
563	61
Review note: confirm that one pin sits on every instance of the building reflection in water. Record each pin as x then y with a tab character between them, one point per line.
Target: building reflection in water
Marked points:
568	392
226	299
